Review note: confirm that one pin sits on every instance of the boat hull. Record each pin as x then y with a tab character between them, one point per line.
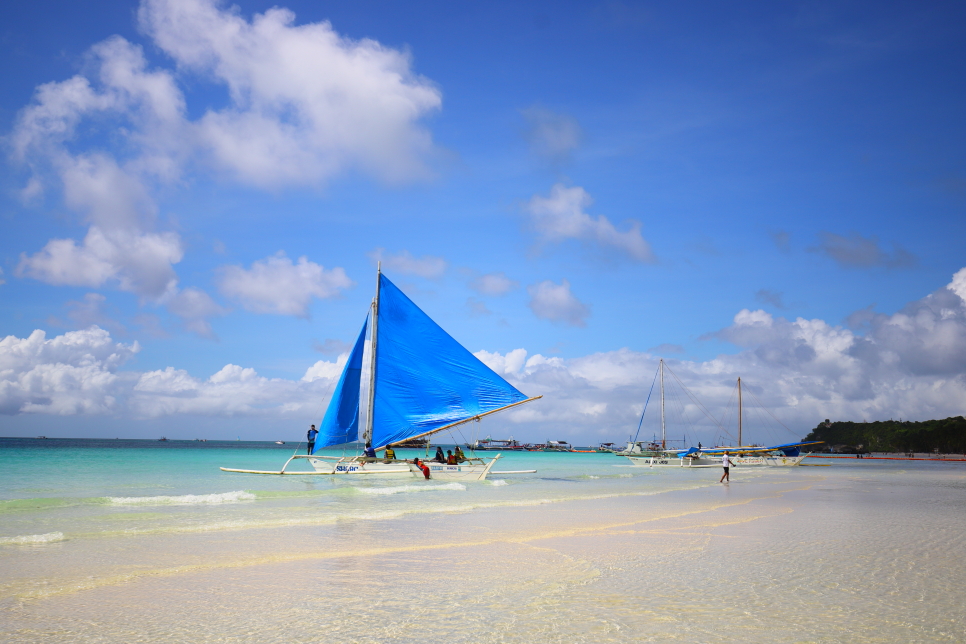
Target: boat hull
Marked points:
467	471
356	465
744	461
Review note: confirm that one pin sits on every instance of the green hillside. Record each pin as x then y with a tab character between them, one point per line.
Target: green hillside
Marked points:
947	435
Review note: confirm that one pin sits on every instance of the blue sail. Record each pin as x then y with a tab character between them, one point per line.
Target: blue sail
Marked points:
341	421
424	378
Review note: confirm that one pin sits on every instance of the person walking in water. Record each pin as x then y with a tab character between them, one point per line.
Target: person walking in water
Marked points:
726	464
310	437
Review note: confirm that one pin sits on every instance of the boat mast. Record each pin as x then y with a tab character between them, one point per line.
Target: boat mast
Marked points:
739	411
663	431
367	437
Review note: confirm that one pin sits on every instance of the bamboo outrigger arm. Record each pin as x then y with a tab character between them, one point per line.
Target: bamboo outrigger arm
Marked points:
470	419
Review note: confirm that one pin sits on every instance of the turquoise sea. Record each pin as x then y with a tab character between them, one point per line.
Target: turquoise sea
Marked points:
124	540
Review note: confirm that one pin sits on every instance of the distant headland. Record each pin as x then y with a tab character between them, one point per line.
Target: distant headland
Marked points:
946	436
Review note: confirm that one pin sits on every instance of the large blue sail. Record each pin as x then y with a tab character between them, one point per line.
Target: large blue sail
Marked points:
341	421
424	378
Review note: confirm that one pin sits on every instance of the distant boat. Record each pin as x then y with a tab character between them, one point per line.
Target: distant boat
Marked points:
658	455
162	439
419	381
279	442
42	437
491	444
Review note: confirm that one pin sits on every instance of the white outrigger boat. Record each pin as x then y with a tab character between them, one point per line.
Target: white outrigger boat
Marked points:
657	455
416	381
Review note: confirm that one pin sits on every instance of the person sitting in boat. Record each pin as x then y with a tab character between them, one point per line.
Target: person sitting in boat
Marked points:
390	453
450	458
460	456
439	455
369	452
422	467
310	437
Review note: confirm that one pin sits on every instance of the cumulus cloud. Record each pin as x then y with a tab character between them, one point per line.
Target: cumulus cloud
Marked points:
556	303
561	216
856	251
306	103
552	136
494	284
139	263
74	373
908	364
276	285
426	266
194	307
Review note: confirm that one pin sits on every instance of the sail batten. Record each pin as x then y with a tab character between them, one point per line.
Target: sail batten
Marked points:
427	381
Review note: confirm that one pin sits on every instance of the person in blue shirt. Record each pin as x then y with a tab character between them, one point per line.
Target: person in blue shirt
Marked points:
369	452
310	436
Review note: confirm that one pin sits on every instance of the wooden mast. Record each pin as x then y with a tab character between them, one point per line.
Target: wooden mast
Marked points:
739	412
663	431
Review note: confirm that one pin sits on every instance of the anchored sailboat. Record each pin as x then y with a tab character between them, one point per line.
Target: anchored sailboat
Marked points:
417	381
658	455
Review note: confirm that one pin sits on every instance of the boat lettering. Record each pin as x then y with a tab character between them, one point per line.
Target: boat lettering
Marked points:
346	468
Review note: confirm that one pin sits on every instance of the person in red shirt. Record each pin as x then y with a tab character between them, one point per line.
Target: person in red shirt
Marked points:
421	466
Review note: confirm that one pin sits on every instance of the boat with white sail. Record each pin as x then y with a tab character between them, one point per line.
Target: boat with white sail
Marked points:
405	379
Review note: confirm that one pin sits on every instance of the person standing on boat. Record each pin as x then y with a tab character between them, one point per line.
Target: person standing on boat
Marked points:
726	464
310	437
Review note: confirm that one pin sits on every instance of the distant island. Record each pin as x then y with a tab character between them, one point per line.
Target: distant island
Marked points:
946	436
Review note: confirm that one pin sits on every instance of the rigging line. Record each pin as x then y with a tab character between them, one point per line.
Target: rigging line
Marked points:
645	405
769	412
694	399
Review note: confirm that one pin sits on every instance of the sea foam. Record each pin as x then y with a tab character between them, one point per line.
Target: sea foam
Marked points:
184	499
32	539
403	489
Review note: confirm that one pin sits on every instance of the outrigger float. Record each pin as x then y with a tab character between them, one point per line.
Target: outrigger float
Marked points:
417	381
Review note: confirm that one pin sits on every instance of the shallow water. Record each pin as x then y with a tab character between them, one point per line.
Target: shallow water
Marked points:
148	542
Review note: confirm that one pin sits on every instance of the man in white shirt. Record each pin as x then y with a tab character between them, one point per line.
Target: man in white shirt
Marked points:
726	464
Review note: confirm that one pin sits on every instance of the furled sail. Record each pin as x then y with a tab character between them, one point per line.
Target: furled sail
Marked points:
424	378
341	421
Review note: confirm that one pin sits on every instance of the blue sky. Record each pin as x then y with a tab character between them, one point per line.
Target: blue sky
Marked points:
593	183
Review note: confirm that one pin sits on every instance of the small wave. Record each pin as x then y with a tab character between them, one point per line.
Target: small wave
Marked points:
498	482
32	539
402	489
184	499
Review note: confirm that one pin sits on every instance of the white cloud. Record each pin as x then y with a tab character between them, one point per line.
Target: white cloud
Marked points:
910	364
556	303
561	216
494	284
403	262
551	135
305	102
194	307
276	285
74	373
139	263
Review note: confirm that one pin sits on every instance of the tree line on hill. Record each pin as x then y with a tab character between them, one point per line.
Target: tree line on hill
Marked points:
947	436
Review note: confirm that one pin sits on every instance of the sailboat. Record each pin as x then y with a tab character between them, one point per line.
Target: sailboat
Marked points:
658	455
405	379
